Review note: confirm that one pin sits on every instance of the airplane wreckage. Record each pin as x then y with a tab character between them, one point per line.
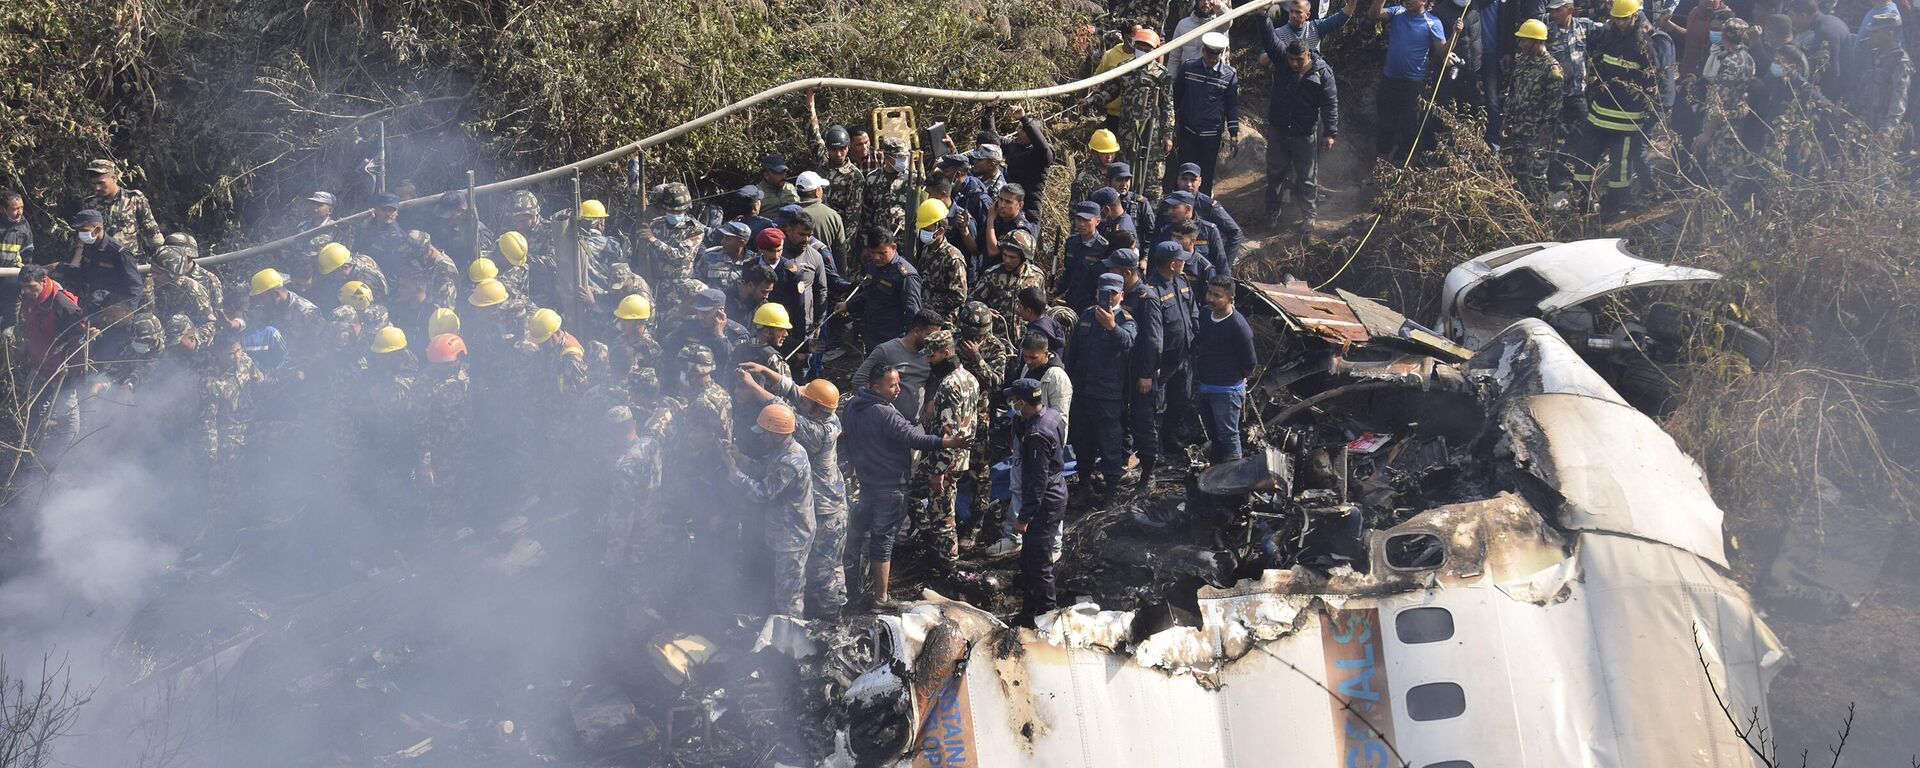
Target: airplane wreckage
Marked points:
1432	557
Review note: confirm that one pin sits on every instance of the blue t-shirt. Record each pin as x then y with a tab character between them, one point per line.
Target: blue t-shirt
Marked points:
1407	42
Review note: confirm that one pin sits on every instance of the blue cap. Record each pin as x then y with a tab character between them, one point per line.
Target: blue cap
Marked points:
787	212
452	200
1189	169
1110	282
1024	389
87	216
709	300
751	192
774	162
1086	209
1105	196
386	200
1182	197
952	161
1119	171
1123	258
737	229
1168	250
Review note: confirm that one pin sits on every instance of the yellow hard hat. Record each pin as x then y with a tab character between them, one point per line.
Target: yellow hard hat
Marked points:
267	280
931	212
482	269
332	257
514	245
389	339
635	307
542	325
776	418
356	294
1532	29
1625	8
1104	141
592	209
487	293
772	315
442	321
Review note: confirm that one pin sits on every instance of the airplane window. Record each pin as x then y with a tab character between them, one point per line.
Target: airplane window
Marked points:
1415	551
1436	701
1423	625
1451	764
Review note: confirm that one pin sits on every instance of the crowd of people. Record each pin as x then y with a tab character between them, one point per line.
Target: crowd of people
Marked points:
680	381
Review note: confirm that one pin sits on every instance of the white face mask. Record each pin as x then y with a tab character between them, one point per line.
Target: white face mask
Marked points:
1776	70
141	347
676	219
900	164
1137	53
927	236
87	237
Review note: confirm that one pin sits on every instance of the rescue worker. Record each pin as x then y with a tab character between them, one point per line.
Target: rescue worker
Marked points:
771	325
382	238
879	447
846	182
226	405
1567	34
482	269
517	278
1000	286
175	293
1729	74
338	264
126	214
1007	217
55	333
891	295
1530	107
1619	106
1886	73
670	242
498	321
453	227
1134	204
952	408
16	249
1146	126
633	345
271	302
719	266
942	267
1208	244
818	432
696	381
449	458
782	485
1096	361
889	192
1113	216
107	270
704	323
630	520
559	360
1086	255
776	192
1206	107
1102	149
1043	462
1164	311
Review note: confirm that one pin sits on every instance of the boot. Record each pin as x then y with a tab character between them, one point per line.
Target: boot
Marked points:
1145	482
881	571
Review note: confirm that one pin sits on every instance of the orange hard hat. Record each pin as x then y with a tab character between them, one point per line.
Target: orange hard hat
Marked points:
1146	35
446	348
776	418
823	392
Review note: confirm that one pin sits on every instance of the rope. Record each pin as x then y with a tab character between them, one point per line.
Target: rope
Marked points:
770	94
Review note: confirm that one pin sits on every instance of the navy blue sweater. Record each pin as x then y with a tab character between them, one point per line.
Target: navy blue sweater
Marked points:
1222	349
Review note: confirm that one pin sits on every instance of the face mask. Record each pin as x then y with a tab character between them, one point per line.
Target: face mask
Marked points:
676	219
900	164
1714	37
1137	53
87	237
141	347
1777	70
926	237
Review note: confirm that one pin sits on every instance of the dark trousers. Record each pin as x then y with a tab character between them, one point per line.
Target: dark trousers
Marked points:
1166	411
875	522
1036	555
1292	164
1627	153
1397	110
1567	135
1099	435
1201	150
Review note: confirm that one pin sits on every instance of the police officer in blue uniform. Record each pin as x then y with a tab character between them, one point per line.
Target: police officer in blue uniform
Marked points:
1097	363
1165	312
1208	244
1086	256
890	297
1043	485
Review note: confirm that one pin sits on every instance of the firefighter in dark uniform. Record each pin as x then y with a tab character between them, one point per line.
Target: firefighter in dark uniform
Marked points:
1620	93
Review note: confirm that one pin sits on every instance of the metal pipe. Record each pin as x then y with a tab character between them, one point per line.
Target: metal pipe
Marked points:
382	180
473	217
1345	389
770	94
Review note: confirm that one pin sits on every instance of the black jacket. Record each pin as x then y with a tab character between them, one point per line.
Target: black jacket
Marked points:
879	443
1298	103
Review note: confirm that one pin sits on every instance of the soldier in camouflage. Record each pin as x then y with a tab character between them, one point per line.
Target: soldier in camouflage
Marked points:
226	407
127	214
1102	150
984	354
889	188
943	268
952	409
1730	72
630	520
429	275
1000	286
669	243
215	288
702	393
1531	107
336	265
176	293
846	183
449	438
782	486
818	431
1145	128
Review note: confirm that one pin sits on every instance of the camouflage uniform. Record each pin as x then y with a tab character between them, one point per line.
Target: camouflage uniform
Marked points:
943	277
668	251
1000	289
628	353
365	270
1727	93
954	408
756	350
846	190
129	221
889	194
630	523
711	397
390	437
517	279
989	369
431	268
826	573
783	489
1146	121
226	406
448	438
1088	181
175	293
676	293
1532	114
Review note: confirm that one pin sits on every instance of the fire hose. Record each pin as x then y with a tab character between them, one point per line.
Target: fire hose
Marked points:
749	102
